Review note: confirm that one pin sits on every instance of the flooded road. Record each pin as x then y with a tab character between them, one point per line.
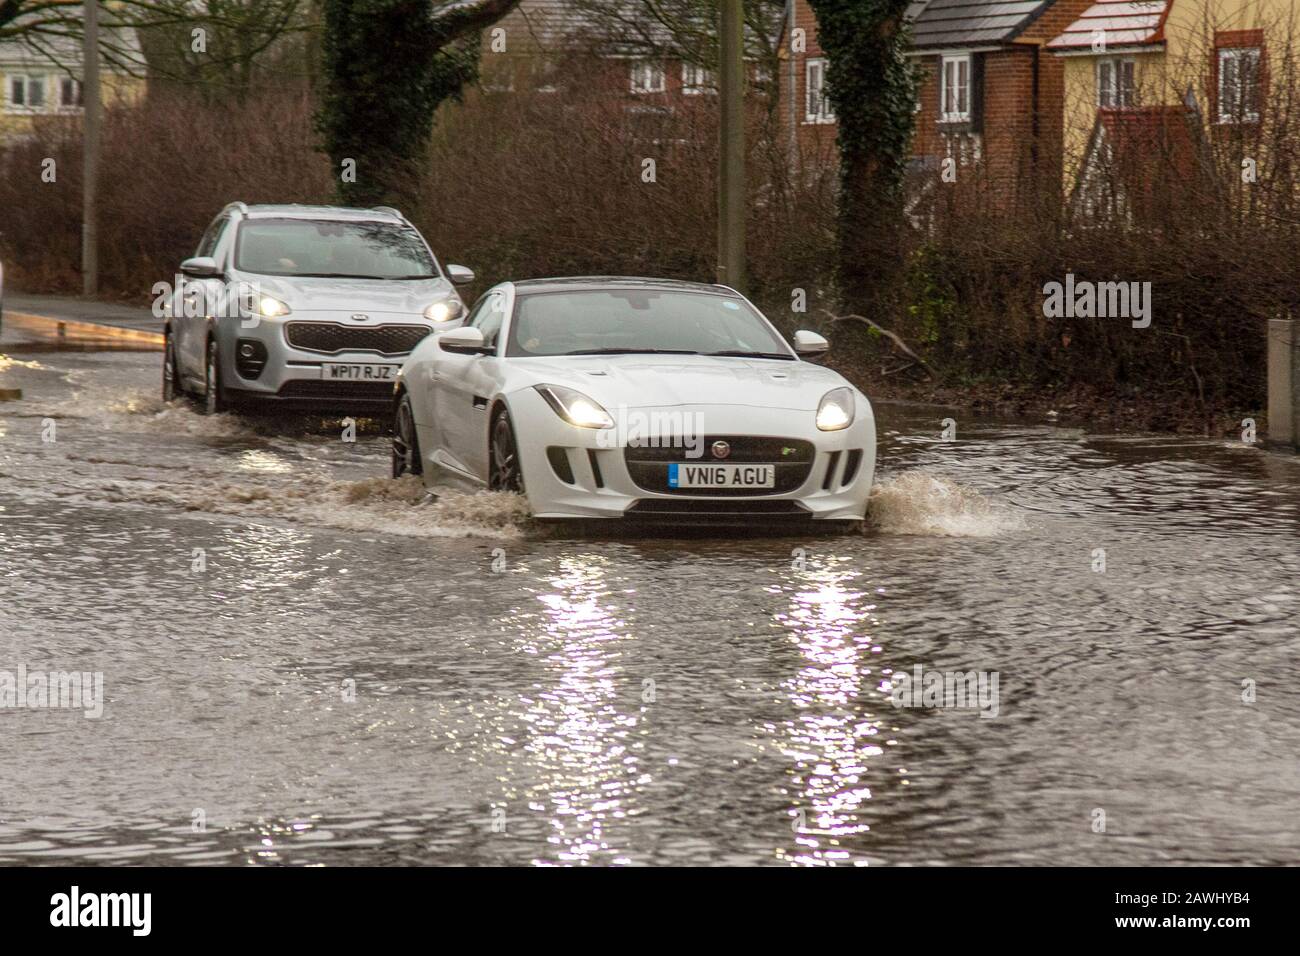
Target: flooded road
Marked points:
306	663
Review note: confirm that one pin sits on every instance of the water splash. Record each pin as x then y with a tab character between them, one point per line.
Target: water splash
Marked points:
922	503
400	506
403	506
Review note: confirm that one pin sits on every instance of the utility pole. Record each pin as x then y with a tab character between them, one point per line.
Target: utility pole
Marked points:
731	168
91	115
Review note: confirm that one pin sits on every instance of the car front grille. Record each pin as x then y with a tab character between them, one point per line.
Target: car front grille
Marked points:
793	458
331	337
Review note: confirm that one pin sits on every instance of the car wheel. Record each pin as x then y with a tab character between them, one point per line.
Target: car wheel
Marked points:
406	444
171	378
214	396
504	473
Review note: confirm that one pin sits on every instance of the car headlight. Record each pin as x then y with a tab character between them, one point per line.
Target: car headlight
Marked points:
836	410
574	407
443	310
270	307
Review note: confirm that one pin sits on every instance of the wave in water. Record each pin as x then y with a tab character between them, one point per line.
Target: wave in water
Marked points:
922	503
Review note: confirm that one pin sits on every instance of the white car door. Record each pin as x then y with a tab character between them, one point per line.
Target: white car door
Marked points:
463	386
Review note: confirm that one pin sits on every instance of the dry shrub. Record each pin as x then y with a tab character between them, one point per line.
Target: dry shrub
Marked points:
533	184
518	185
522	185
168	167
1164	203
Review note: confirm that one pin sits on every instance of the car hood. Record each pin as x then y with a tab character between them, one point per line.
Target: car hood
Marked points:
644	381
408	297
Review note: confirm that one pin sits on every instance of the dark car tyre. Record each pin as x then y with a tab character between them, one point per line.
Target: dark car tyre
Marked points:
171	379
406	444
504	473
214	394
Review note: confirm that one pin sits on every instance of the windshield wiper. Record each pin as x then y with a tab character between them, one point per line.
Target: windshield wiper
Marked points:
614	350
324	275
742	353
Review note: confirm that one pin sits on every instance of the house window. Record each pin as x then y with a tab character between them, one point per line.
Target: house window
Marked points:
18	91
69	93
696	80
1115	82
26	94
647	77
954	89
1239	85
817	108
36	92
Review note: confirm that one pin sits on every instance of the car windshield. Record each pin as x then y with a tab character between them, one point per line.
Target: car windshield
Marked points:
331	248
617	321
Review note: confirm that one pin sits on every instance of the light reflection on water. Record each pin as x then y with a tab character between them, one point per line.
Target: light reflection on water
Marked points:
581	739
831	734
707	700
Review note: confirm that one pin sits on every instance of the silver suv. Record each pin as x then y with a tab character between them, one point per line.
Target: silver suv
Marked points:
303	307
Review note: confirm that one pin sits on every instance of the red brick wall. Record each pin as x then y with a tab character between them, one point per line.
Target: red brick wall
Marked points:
814	139
927	141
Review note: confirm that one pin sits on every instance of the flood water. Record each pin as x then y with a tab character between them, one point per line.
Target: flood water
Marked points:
306	663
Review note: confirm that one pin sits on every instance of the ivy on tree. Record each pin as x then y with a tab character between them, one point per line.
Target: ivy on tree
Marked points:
387	66
872	88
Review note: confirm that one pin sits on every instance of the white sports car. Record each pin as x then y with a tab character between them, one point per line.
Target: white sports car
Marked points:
635	398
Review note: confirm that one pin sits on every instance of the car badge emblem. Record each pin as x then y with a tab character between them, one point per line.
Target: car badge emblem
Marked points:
359	317
721	449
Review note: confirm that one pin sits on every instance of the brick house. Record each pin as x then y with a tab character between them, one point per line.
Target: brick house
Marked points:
550	45
1160	81
991	98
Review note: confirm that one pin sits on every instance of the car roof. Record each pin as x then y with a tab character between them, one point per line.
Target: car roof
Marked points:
298	211
598	283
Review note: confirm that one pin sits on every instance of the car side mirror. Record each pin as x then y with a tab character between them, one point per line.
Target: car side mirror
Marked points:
460	275
200	267
810	344
465	340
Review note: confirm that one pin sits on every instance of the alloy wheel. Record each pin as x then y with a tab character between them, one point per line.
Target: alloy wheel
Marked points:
504	472
406	445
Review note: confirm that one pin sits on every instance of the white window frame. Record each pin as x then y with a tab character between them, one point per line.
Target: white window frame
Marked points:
1231	112
820	111
647	76
44	83
78	98
964	92
29	80
696	80
1120	97
11	105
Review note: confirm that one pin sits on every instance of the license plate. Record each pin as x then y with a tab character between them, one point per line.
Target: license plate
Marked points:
358	372
721	476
